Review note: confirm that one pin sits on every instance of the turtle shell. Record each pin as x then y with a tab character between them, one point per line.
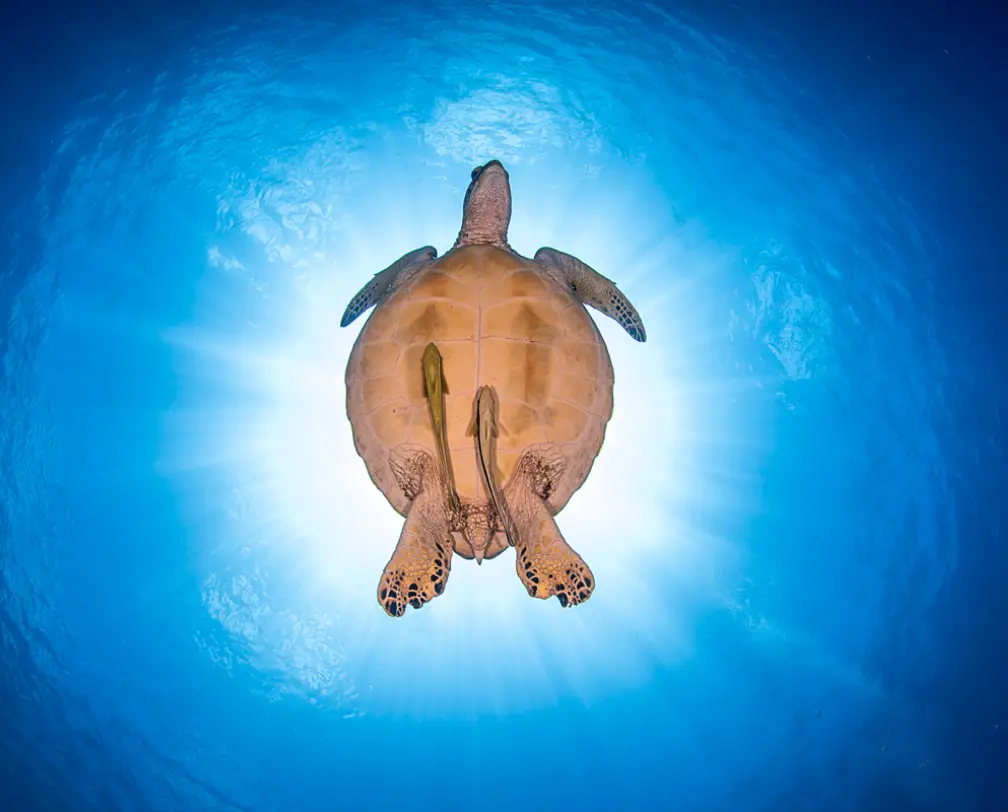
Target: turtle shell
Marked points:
497	319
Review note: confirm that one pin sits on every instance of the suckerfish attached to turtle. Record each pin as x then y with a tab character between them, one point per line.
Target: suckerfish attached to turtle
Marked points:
435	389
478	393
484	428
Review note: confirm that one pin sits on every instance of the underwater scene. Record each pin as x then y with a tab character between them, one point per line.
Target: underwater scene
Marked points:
312	312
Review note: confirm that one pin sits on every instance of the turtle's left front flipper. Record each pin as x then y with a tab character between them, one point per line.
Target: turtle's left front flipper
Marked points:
384	283
592	288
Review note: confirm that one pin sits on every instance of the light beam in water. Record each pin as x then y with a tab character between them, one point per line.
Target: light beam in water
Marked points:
264	412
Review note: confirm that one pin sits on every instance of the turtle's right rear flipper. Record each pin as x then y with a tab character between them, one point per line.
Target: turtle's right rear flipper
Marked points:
545	562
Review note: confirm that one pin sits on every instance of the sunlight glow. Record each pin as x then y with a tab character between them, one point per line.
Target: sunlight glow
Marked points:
305	534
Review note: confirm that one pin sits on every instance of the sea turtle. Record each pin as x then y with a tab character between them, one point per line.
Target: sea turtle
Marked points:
478	393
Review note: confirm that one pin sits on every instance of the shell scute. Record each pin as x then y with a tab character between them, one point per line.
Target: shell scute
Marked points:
421	321
523	283
496	320
390	422
524	319
436	284
564	422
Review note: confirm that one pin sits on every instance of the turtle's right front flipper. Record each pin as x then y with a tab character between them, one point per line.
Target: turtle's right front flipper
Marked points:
384	283
592	288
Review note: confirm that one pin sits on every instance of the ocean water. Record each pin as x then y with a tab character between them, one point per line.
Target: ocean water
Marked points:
794	522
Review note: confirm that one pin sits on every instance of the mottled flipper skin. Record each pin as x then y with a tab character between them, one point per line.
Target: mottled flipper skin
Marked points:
383	283
593	289
419	567
545	562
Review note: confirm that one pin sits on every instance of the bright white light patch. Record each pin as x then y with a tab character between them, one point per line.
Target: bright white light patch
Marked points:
291	523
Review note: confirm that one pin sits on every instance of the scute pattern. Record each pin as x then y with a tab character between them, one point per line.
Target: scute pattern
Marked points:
496	320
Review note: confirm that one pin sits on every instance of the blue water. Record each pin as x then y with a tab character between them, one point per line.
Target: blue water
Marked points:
795	523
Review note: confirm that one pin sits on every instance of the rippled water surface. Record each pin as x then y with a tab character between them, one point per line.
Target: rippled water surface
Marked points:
191	546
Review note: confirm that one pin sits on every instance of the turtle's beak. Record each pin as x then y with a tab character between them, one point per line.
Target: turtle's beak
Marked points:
478	552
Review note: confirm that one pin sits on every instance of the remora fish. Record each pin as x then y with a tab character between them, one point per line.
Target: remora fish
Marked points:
435	388
485	428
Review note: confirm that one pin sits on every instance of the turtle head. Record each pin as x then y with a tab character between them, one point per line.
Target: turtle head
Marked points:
486	211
